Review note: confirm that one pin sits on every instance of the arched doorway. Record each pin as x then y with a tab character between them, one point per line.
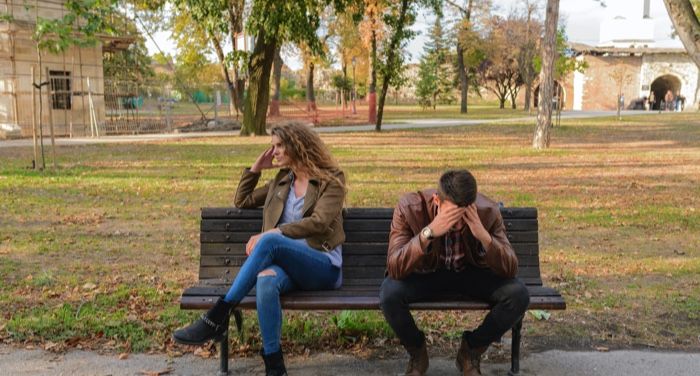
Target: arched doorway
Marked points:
661	85
558	93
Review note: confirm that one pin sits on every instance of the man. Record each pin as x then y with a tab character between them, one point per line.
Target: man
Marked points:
451	240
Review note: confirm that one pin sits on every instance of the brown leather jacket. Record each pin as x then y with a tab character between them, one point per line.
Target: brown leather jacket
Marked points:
322	222
406	256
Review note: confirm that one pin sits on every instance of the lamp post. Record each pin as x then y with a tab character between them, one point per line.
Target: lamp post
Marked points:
354	94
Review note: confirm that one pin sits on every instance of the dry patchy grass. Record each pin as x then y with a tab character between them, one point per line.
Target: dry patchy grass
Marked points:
96	253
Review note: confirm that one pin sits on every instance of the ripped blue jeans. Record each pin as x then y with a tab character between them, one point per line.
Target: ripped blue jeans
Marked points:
277	265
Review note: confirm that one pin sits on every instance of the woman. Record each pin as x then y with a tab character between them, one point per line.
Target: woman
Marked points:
302	232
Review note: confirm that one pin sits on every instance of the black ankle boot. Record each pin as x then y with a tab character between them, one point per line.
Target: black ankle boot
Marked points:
274	364
212	325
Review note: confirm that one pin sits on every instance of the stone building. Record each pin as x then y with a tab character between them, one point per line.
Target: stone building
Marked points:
72	105
635	73
628	62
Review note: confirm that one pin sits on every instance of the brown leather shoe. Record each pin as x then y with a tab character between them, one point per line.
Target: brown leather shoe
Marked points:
418	364
468	359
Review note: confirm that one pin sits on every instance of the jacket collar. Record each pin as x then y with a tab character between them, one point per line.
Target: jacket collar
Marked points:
288	177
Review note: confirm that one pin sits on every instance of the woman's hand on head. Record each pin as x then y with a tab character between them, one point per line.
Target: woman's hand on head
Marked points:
264	161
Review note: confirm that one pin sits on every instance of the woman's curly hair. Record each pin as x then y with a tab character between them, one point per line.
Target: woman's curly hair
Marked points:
306	151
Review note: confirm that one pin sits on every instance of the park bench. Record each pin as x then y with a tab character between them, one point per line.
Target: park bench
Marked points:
225	232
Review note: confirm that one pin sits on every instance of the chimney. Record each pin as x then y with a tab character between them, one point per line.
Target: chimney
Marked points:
646	9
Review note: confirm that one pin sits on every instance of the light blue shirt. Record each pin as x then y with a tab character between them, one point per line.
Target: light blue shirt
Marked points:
293	212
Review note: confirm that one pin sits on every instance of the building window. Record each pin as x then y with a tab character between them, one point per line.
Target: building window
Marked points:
60	87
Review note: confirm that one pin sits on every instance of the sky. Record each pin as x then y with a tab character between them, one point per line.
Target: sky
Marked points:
582	19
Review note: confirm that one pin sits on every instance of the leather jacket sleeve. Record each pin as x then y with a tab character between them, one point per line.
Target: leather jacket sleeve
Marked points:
500	256
247	196
405	251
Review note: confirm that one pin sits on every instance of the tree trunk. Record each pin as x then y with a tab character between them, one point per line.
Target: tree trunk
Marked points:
276	78
235	11
310	96
685	21
544	110
390	57
232	108
343	92
260	64
462	80
372	97
528	97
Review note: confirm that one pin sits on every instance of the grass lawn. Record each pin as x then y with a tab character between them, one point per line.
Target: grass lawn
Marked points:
96	254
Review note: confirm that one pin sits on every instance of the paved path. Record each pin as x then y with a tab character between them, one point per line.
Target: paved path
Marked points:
550	363
404	124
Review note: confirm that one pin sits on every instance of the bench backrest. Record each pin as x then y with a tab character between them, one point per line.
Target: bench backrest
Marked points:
225	232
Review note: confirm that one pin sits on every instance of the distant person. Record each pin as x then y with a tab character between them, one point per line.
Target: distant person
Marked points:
681	99
652	101
300	246
668	98
451	239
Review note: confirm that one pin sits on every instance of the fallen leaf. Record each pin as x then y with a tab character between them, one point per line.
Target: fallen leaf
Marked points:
540	314
202	353
89	286
123	356
602	349
50	345
157	373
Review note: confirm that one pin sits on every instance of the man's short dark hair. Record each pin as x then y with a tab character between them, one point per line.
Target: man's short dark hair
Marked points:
458	186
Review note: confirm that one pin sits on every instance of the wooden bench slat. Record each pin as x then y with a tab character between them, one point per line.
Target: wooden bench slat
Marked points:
225	213
349	249
237	259
372	224
368	236
365	302
373	290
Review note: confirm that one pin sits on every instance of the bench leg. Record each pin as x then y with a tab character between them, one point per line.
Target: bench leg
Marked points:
238	317
223	356
515	349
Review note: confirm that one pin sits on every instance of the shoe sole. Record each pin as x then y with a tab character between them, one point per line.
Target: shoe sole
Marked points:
218	338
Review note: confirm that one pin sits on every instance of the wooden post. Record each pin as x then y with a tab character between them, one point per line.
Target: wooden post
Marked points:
50	105
36	146
72	90
93	116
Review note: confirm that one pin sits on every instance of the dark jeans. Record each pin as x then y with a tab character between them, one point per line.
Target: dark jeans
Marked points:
509	299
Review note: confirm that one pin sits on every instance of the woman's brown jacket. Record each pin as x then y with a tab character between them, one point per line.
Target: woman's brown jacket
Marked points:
322	222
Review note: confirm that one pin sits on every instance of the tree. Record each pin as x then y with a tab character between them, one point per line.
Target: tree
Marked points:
464	35
544	112
79	26
273	23
214	23
500	72
684	15
620	75
372	31
434	78
398	17
528	51
348	44
135	58
427	81
276	78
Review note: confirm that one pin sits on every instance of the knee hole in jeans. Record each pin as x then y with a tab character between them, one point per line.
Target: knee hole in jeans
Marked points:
267	273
